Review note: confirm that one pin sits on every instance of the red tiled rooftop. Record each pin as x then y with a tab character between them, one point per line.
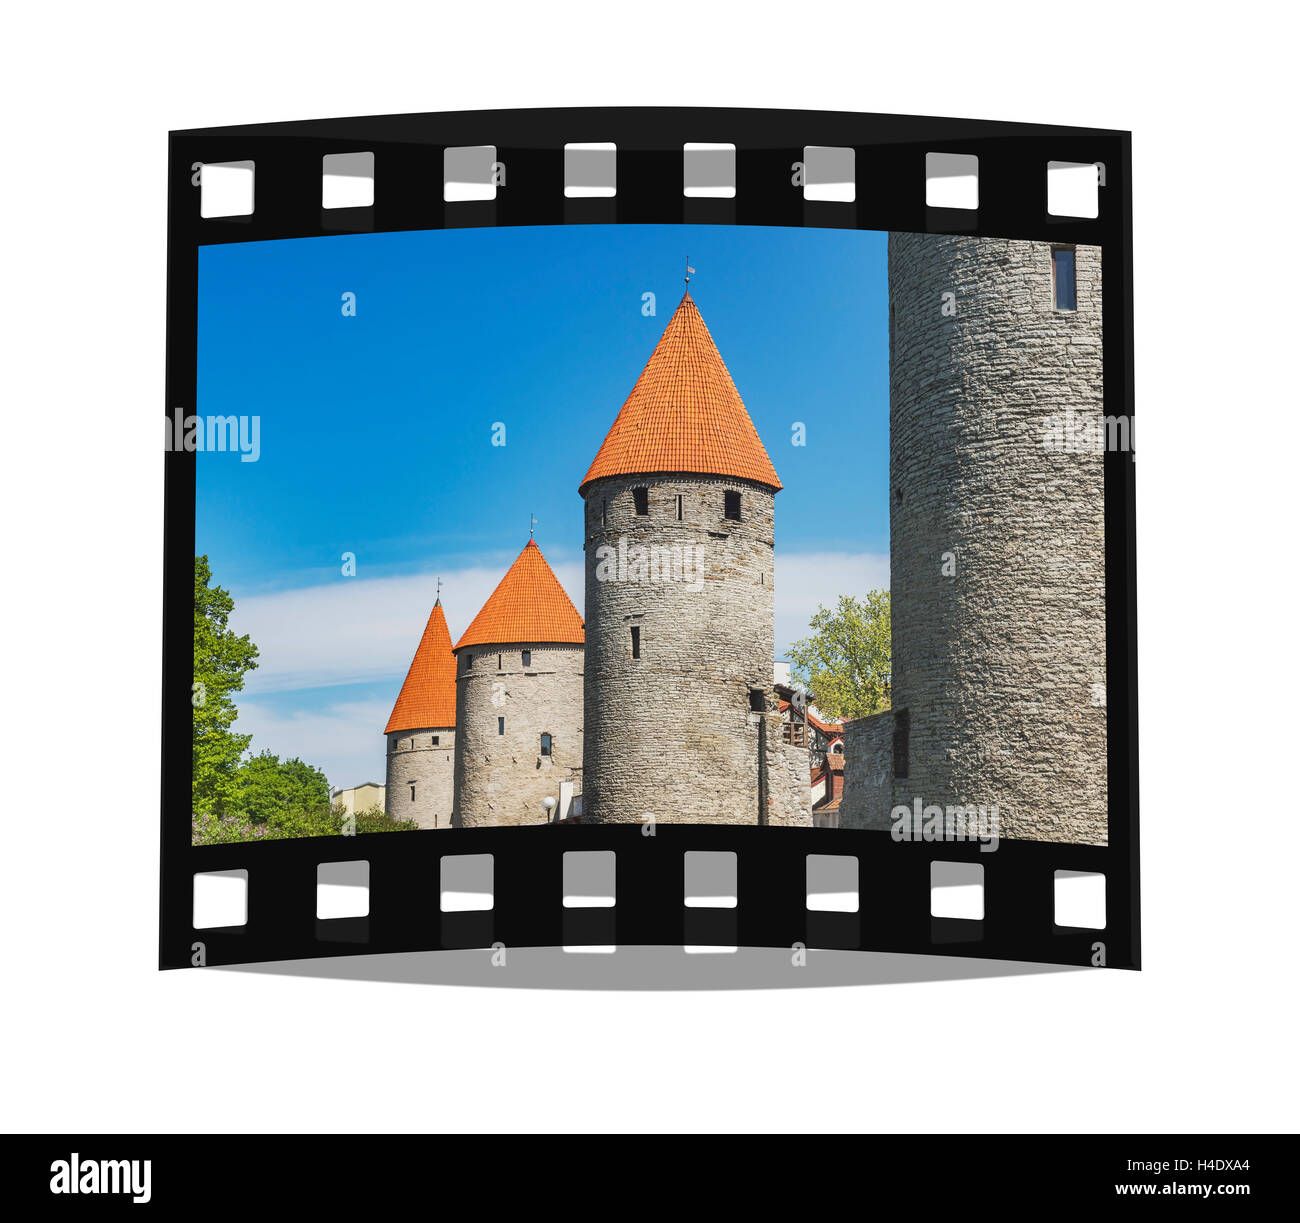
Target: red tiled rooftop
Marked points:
684	414
528	605
428	695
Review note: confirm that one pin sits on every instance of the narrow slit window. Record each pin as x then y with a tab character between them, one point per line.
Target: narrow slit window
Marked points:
641	501
636	641
412	785
731	505
469	661
1063	283
604	513
498	662
679	507
546	745
501	726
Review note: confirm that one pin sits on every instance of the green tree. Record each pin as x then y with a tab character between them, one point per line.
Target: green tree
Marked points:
845	662
221	660
271	788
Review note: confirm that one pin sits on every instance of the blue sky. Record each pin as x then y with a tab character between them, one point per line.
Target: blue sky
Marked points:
376	431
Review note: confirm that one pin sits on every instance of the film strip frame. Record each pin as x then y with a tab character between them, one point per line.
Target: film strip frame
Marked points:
772	900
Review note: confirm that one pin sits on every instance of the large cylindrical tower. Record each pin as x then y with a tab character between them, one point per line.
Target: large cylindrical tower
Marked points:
997	533
678	535
421	732
519	703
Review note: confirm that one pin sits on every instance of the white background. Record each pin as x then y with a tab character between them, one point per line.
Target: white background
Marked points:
94	1037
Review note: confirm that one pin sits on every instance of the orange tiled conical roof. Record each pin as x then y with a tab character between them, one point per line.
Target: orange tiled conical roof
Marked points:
529	604
684	414
428	696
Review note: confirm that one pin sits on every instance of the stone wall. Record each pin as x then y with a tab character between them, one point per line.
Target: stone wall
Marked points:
502	778
414	757
868	772
672	734
785	782
1000	663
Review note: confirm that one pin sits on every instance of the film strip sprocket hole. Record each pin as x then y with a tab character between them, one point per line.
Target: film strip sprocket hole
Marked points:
981	801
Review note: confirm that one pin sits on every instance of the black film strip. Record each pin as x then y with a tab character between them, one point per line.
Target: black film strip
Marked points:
889	168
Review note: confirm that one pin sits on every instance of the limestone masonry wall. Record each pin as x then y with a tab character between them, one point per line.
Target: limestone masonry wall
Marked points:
672	734
502	778
786	780
868	772
1000	666
413	757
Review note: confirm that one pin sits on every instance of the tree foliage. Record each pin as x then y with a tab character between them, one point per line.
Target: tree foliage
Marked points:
845	662
268	786
221	660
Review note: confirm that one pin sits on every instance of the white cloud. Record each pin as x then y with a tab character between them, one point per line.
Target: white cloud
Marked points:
808	580
364	631
358	630
344	739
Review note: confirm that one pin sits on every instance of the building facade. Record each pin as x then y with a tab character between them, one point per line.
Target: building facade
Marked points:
996	542
519	703
681	718
421	732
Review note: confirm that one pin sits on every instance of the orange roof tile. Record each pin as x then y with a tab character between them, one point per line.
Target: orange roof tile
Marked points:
834	730
428	695
529	604
684	414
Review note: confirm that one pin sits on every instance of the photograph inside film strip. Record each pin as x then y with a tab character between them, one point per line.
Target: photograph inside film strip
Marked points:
554	529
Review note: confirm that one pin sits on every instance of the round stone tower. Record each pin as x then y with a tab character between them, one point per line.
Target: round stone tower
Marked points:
678	534
421	732
519	703
997	536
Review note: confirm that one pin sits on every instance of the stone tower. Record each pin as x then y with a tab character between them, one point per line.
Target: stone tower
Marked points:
421	732
997	542
678	534
519	702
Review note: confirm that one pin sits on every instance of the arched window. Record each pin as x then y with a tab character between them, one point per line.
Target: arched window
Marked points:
546	745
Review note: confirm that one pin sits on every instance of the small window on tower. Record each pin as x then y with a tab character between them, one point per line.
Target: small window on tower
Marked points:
1063	286
757	702
604	512
731	504
546	745
435	740
641	501
501	726
469	661
498	662
636	641
679	507
527	658
412	785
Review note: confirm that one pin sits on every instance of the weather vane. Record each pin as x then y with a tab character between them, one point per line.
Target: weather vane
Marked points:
690	271
439	598
532	525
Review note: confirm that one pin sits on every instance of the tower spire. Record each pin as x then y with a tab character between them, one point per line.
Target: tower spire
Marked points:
438	598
